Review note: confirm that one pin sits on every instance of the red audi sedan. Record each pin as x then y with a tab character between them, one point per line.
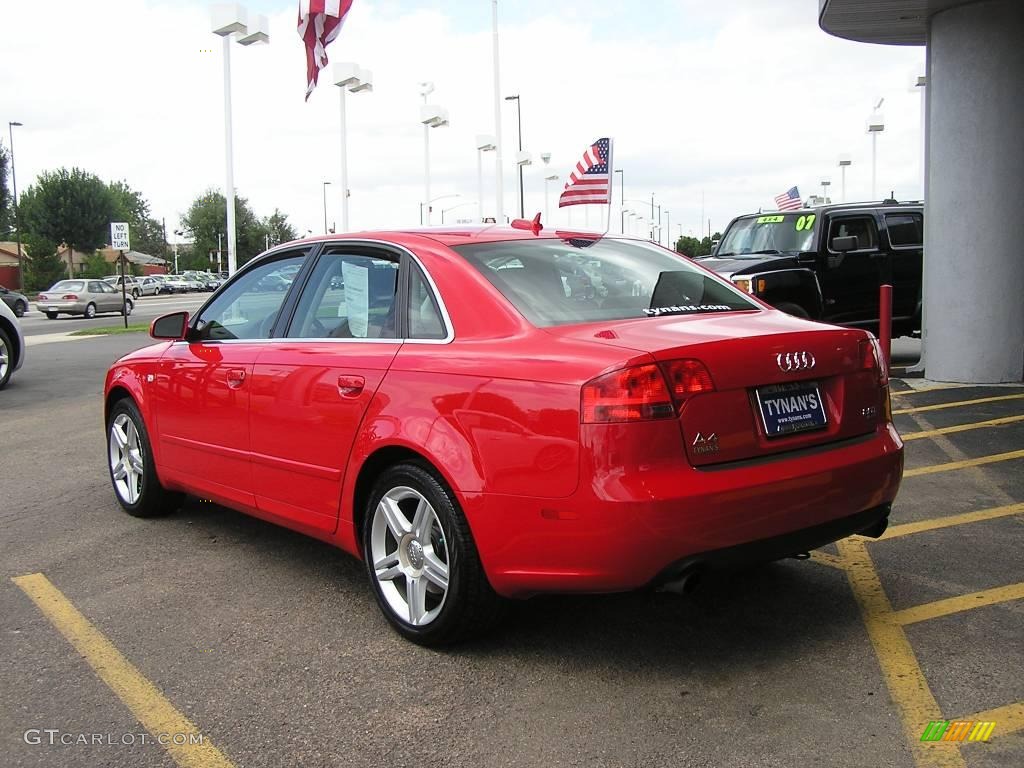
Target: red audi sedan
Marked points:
489	413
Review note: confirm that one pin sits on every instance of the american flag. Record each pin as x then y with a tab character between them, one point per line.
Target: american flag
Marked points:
789	200
590	182
319	23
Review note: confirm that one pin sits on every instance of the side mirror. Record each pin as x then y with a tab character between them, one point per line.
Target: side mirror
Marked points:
844	244
172	326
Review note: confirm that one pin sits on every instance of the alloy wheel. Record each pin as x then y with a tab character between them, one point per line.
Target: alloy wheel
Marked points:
5	358
126	458
410	556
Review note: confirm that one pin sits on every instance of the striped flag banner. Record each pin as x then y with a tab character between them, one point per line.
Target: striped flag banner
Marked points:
590	182
319	23
789	200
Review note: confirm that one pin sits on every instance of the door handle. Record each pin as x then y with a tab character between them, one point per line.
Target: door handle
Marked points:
350	386
236	378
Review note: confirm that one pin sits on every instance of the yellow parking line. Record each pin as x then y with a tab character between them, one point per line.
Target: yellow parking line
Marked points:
961	428
951	465
903	676
960	603
940	388
940	406
1008	718
824	558
149	706
905	529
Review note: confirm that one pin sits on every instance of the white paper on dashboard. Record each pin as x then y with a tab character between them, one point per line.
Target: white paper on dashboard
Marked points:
357	298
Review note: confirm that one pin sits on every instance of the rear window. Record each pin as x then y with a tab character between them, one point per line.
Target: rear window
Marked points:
559	282
69	285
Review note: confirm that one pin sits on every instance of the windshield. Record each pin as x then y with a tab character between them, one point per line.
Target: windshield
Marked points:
558	282
783	232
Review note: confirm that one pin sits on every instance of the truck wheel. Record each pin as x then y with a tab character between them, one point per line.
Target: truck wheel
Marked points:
793	309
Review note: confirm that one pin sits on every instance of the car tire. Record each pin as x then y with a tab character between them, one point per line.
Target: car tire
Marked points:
135	293
90	311
128	307
7	361
793	309
429	583
20	308
131	467
51	315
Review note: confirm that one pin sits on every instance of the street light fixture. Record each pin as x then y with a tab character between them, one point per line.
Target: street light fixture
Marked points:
348	77
547	205
17	220
825	184
519	161
876	124
325	185
429	203
845	161
227	20
432	116
484	143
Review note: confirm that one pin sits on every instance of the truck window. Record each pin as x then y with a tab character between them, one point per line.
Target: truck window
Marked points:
905	229
861	227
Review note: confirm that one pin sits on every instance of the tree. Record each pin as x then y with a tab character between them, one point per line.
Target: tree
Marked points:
42	267
70	207
96	266
6	202
276	225
147	234
206	218
693	247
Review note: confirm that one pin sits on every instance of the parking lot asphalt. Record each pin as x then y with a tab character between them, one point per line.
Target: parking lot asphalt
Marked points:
270	644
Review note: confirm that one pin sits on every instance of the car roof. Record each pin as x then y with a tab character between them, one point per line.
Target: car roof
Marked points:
462	235
885	205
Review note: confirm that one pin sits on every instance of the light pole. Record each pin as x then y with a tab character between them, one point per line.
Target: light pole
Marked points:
919	83
232	19
431	202
499	180
452	208
622	200
519	161
547	197
17	223
876	124
484	143
432	116
326	184
825	184
668	230
845	161
348	77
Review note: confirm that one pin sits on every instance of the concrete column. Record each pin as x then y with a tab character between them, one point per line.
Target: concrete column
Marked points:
974	220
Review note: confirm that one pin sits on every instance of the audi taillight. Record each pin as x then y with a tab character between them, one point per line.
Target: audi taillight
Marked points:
644	392
872	360
687	378
632	394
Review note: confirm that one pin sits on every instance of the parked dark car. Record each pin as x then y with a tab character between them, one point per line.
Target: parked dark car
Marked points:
18	302
827	263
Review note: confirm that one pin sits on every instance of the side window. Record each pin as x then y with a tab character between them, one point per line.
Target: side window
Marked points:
861	227
96	286
424	316
350	295
248	307
905	229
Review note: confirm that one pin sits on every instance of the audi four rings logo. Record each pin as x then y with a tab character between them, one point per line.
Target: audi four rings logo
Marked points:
794	361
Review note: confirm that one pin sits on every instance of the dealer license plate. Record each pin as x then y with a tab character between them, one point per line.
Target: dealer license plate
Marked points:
789	408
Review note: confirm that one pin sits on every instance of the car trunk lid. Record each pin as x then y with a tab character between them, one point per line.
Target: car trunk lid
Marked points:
780	383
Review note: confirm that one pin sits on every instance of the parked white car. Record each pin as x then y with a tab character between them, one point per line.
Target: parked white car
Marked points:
132	287
149	286
12	344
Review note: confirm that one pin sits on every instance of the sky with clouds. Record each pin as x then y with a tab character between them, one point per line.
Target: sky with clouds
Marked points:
731	102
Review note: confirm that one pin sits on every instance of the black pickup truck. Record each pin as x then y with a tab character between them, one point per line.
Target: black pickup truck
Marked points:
827	262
